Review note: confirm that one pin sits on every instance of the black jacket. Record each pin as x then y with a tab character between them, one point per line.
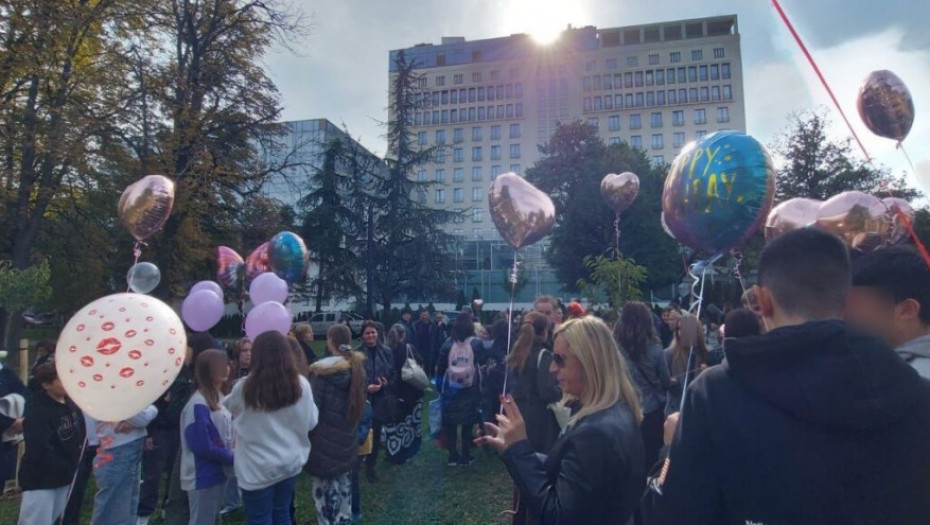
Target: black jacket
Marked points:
807	424
379	362
308	352
534	388
334	444
426	339
460	406
593	475
10	384
54	434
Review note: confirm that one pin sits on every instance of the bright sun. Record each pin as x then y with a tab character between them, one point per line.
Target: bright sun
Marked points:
545	20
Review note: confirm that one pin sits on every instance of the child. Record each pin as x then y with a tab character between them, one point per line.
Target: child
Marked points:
54	432
206	447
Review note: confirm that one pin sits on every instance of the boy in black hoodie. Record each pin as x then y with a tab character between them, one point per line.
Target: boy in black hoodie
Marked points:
54	432
811	423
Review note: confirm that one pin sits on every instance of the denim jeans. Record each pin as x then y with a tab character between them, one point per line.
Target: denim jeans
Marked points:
205	504
231	497
270	505
117	471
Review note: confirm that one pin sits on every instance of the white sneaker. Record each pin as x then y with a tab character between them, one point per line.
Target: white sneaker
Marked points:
142	520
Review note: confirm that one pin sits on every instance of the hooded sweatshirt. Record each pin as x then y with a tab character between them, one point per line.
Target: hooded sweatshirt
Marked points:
54	435
917	353
807	424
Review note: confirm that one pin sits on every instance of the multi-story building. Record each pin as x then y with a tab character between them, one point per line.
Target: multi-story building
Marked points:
490	103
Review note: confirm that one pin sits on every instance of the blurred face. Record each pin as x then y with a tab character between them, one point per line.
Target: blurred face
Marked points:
567	369
548	309
307	337
558	316
220	371
55	389
245	356
406	317
370	336
671	319
875	311
424	317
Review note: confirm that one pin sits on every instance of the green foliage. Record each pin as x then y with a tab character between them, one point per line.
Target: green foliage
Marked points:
517	287
616	280
27	288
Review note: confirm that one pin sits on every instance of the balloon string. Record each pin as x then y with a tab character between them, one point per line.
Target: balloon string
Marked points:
513	290
907	157
823	80
903	216
137	253
78	470
738	269
617	258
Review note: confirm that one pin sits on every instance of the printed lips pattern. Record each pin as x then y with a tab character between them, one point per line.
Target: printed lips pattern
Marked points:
119	353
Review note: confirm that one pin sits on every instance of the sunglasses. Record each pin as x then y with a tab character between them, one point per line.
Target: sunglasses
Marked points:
558	359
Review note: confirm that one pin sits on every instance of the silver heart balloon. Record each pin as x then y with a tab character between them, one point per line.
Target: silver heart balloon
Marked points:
619	190
522	213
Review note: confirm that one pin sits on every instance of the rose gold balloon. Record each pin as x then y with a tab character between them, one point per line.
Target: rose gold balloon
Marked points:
145	205
258	262
620	190
522	213
885	105
793	214
858	218
897	232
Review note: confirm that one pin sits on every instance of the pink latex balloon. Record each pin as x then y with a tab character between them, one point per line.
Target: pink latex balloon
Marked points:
201	310
268	317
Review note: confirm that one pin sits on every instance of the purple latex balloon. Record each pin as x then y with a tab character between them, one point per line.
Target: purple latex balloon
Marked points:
208	285
201	310
267	317
268	287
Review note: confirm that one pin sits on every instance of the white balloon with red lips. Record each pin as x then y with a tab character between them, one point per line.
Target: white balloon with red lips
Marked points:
119	354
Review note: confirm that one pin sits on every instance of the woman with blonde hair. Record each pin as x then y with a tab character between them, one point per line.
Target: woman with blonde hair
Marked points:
595	471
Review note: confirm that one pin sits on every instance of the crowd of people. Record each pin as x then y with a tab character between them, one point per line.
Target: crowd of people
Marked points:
810	404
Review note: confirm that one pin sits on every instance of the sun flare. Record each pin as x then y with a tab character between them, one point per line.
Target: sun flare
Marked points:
544	20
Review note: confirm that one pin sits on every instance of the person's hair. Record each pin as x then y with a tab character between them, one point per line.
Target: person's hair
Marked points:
274	381
532	330
206	363
546	299
370	324
341	336
240	345
742	322
900	272
680	352
395	335
807	272
46	373
301	329
606	378
464	327
300	358
47	344
499	330
635	329
199	342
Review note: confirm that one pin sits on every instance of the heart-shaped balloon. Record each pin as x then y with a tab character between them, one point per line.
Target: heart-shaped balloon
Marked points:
230	269
858	218
119	354
895	207
885	105
619	190
521	213
288	256
793	214
259	262
145	205
718	191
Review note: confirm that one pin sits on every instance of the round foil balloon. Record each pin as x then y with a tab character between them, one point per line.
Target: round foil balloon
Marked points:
885	105
620	190
289	256
521	213
118	354
894	208
793	214
230	269
258	262
146	205
858	218
718	191
143	277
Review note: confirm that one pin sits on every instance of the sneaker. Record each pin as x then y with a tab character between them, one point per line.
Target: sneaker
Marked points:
467	461
229	509
142	520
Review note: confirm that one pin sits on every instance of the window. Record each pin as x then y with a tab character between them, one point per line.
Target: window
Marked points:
518	90
481	113
476	134
608	82
476	76
515	131
692	74
613	141
515	168
477	214
701	133
458	195
476	232
678	139
509	91
441	80
593	122
632	61
638	76
458	175
719	52
495	152
682	75
441	155
519	107
715	93
481	94
613	123
658	160
727	92
657	142
611	63
476	197
496	132
636	121
618	101
440	136
704	95
715	72
458	135
678	117
653	59
672	97
725	70
660	77
655	120
454	96
457	232
472	94
628	100
598	103
495	75
702	73
597	83
660	98
608	102
421	176
421	138
700	116
509	110
423	82
440	175
628	80
457	79
440	196
458	218
650	78
445	98
458	155
682	96
587	104
515	151
650	98
670	75
586	84
692	95
471	115
495	171
723	114
674	57
636	141
476	174
476	153
697	54
639	100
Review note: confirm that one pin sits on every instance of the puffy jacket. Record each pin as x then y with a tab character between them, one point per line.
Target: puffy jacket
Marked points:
594	473
334	444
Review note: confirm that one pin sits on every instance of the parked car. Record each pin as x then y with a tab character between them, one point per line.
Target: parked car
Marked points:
321	322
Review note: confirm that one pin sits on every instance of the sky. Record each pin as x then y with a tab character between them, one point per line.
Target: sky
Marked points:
339	69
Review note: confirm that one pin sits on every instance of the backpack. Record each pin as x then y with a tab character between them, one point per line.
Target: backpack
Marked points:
461	371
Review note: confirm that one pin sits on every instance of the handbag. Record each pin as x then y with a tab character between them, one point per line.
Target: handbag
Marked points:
561	412
365	448
412	373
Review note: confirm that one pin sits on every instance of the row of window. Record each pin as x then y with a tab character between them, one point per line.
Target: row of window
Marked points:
458	174
671	97
477	214
464	96
658	140
477	134
674	57
459	78
477	233
656	120
477	153
657	77
479	114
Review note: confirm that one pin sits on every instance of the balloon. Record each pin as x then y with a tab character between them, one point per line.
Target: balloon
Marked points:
202	309
258	262
267	317
230	269
207	285
119	354
898	232
146	205
143	277
288	256
521	213
620	190
718	192
885	105
858	218
793	214
268	287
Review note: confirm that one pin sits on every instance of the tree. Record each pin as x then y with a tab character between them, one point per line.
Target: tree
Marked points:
509	286
616	279
574	162
23	288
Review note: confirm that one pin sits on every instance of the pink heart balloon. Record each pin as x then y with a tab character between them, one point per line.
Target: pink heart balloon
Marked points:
521	213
